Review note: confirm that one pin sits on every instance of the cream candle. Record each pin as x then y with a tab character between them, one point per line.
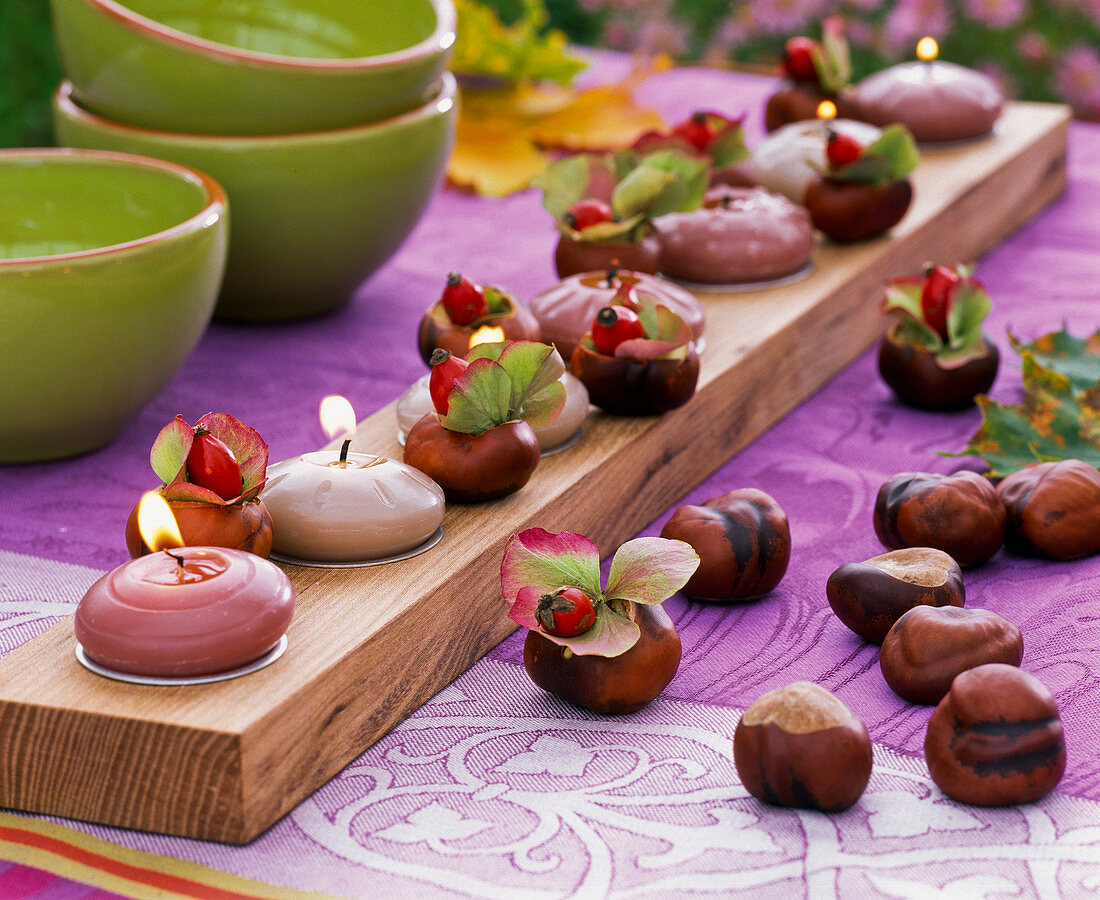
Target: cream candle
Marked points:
344	507
416	402
935	100
186	612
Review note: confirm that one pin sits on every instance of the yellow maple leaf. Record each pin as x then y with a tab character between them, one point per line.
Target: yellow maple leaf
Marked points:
503	131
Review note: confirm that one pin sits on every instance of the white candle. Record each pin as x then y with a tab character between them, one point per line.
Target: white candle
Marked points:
793	155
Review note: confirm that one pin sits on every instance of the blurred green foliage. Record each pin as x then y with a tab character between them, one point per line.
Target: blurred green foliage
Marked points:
29	71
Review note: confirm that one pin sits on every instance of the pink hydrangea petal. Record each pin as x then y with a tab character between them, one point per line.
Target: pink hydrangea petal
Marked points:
540	559
649	570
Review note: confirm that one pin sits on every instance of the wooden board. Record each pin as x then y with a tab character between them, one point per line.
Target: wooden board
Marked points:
368	646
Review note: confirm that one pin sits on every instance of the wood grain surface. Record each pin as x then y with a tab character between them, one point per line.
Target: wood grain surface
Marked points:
368	646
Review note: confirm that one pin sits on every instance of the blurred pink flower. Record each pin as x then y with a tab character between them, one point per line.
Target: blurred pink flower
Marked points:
865	5
617	35
663	36
911	19
1000	75
1033	48
996	13
785	16
1077	79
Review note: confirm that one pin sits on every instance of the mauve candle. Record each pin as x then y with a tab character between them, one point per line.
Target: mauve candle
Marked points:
185	612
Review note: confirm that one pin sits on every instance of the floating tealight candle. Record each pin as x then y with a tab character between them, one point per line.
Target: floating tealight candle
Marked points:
935	100
333	506
186	612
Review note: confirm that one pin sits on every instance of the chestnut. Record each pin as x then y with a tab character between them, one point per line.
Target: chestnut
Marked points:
930	645
800	746
636	387
240	526
573	257
869	597
849	212
616	685
743	541
798	102
437	330
959	514
1053	509
471	468
996	738
917	378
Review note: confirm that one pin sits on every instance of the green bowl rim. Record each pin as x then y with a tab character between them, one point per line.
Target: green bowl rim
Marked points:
443	101
213	208
439	41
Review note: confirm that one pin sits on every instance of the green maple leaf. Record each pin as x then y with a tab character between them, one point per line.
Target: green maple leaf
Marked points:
1076	358
1053	422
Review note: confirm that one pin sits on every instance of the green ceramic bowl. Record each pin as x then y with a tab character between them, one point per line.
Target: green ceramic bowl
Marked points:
109	268
253	66
314	215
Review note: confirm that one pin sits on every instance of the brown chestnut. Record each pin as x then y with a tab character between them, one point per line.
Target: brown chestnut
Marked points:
636	387
930	645
743	541
917	378
437	330
869	597
575	257
848	212
241	526
800	746
797	102
618	684
473	467
1053	509
996	738
959	514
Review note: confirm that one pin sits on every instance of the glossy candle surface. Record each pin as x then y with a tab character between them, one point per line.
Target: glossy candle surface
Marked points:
786	161
369	508
935	100
216	610
416	402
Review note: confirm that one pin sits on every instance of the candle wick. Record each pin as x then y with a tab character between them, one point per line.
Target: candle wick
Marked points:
181	575
344	452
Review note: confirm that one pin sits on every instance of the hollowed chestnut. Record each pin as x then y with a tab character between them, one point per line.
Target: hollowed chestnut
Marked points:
636	387
240	526
918	379
1053	509
471	468
576	257
996	738
615	685
959	514
800	746
799	102
437	330
743	541
869	597
848	212
930	645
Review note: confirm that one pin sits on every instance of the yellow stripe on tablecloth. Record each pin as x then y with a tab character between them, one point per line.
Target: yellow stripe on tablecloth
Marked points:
134	873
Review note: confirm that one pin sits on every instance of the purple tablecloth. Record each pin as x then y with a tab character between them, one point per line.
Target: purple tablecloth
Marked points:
494	789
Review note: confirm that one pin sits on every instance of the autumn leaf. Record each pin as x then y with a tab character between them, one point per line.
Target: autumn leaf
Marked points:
1076	358
1053	422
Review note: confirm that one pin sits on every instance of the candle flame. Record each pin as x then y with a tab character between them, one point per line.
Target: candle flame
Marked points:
487	334
337	417
826	109
156	523
927	49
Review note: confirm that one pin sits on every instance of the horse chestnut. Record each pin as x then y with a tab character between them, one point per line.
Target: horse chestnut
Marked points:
849	212
616	684
930	645
743	541
575	257
1053	509
869	597
241	526
636	387
996	738
917	378
474	467
800	746
959	514
799	102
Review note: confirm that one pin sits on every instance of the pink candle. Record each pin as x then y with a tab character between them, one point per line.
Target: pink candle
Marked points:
186	612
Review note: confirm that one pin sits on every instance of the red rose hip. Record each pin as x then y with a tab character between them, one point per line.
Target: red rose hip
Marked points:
212	465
